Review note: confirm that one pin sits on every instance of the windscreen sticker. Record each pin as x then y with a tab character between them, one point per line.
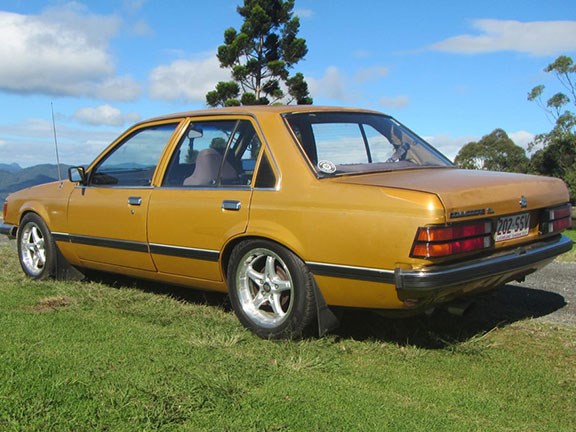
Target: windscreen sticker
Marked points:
326	167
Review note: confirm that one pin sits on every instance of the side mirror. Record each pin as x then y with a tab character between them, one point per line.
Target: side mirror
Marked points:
77	175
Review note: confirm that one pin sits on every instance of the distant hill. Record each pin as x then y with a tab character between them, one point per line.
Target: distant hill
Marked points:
13	177
13	167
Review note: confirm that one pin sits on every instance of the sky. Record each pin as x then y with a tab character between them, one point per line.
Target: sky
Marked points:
452	71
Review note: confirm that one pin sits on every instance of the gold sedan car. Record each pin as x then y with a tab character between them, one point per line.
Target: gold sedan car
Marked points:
292	211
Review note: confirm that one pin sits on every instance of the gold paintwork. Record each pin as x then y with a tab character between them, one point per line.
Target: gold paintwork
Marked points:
366	221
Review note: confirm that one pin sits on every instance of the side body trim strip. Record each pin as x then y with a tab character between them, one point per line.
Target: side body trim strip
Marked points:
350	272
184	252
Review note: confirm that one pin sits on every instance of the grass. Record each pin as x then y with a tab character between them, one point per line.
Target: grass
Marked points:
569	256
105	355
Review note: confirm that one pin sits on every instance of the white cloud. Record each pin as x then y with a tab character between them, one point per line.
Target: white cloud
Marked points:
331	86
304	13
142	28
31	142
119	88
334	85
535	38
395	101
522	138
133	5
187	80
369	74
63	51
105	115
449	145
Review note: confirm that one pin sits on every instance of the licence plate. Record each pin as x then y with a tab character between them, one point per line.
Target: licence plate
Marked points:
511	227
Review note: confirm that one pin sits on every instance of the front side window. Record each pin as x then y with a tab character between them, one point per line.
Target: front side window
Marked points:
133	162
215	153
348	142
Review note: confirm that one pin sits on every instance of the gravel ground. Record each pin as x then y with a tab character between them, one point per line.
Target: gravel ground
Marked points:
549	294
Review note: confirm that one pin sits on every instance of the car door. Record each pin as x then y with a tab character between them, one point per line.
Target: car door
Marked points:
205	197
107	216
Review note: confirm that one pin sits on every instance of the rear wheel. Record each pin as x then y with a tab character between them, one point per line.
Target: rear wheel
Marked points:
36	248
271	290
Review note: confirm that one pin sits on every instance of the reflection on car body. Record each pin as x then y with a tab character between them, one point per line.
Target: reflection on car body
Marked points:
292	211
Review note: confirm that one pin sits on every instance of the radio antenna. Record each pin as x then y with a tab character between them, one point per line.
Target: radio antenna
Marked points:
56	143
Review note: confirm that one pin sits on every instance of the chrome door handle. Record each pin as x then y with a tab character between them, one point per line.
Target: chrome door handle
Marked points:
135	201
231	205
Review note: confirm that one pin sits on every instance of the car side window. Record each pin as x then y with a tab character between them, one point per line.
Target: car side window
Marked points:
133	161
215	153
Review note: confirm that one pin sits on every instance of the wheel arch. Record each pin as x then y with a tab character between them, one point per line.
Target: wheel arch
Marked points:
39	211
229	247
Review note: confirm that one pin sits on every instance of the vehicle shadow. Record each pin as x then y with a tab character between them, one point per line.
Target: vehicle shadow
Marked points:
440	329
184	294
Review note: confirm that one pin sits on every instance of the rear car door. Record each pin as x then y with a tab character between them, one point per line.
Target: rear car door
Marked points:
204	199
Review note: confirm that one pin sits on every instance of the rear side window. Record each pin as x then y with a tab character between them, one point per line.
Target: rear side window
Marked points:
215	153
265	179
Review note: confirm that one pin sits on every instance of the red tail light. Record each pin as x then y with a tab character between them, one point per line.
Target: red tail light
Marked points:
556	219
441	241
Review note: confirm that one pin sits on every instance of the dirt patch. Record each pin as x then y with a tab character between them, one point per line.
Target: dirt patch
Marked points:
50	304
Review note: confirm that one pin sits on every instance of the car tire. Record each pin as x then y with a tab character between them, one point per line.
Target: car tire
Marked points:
271	290
36	248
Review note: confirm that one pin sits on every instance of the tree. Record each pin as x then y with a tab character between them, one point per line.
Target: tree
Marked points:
556	107
558	159
557	155
494	152
260	57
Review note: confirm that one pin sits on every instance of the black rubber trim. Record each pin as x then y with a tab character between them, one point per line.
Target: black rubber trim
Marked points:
107	242
61	237
364	274
516	261
199	254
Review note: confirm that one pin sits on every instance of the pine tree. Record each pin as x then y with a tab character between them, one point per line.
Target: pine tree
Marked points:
261	56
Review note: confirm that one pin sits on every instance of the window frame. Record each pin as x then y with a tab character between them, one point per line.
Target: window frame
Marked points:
119	144
231	153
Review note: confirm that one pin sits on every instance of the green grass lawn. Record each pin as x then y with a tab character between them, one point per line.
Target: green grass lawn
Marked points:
118	356
571	255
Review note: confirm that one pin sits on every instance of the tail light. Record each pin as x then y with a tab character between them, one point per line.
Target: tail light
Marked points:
556	219
441	241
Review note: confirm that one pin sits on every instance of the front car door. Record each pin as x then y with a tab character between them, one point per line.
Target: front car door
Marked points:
107	216
204	198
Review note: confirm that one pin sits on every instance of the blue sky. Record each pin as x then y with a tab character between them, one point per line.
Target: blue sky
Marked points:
452	71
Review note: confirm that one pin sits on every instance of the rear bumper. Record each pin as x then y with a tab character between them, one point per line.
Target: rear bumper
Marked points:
437	282
8	230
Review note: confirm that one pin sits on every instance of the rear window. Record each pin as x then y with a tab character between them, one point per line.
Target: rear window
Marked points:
344	143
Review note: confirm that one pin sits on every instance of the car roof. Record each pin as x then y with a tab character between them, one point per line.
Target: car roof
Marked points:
258	109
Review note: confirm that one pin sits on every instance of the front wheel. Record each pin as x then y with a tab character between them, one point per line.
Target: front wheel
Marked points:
271	290
36	248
